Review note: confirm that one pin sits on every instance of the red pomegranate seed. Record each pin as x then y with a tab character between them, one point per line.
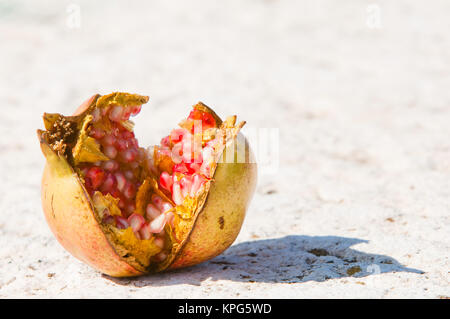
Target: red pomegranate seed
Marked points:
185	184
96	176
206	118
126	135
177	153
115	192
121	181
116	113
197	156
195	115
111	166
126	113
110	151
136	109
166	206
208	121
187	156
179	134
109	140
165	142
205	170
136	221
129	175
122	202
159	242
193	167
157	225
176	193
115	131
160	204
207	154
88	185
128	155
152	211
134	165
133	142
129	191
157	200
121	223
108	184
191	151
165	180
97	133
197	182
121	145
130	208
180	168
145	231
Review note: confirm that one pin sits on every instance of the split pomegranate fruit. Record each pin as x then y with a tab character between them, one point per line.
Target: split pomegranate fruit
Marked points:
126	210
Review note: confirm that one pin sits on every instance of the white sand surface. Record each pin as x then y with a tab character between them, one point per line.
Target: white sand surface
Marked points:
358	90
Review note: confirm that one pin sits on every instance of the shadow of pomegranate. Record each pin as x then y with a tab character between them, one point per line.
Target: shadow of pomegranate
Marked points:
290	259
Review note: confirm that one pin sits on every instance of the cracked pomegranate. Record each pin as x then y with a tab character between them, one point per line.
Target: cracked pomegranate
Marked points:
126	210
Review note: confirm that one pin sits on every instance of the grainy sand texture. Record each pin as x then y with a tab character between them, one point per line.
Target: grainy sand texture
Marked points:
357	203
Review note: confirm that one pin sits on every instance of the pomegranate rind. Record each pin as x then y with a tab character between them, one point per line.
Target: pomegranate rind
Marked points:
70	215
210	229
87	149
115	98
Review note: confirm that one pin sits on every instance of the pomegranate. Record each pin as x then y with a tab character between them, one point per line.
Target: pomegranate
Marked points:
126	210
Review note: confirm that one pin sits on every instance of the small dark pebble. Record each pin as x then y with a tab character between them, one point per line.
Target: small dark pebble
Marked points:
221	263
353	260
353	270
318	252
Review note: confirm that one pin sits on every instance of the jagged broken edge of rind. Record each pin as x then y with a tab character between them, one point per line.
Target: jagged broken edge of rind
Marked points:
112	98
204	195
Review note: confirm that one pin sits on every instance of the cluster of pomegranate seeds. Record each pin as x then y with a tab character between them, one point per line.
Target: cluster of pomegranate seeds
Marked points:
207	120
192	161
118	176
115	176
190	157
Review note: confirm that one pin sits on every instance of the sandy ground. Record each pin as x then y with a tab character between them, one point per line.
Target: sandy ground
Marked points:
358	205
